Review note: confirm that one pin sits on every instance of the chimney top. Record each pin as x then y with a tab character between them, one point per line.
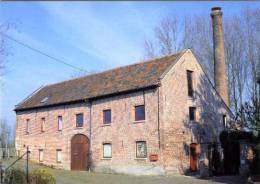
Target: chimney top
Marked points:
216	8
216	11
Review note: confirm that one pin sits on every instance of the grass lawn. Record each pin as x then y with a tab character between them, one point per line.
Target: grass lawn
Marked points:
85	177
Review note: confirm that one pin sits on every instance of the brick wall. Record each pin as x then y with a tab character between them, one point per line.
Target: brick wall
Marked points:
168	133
176	129
51	139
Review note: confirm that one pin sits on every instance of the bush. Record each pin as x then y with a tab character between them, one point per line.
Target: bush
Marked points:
42	176
15	176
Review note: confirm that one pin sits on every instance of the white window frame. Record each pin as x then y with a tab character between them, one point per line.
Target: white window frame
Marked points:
60	123
59	155
41	155
107	154
136	151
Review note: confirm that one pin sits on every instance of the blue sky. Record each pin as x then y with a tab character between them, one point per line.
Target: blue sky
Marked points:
91	35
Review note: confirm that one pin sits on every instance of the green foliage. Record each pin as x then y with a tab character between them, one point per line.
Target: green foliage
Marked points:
249	116
15	176
42	176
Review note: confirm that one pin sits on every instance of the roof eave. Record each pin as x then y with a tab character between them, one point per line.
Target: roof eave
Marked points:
17	109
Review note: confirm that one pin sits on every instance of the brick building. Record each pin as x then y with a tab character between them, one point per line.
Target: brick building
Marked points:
155	116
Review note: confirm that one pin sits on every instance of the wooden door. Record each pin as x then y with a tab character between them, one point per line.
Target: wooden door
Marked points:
79	152
193	157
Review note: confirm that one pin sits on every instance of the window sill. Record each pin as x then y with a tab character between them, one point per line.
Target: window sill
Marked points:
140	121
106	158
191	97
144	159
104	125
79	128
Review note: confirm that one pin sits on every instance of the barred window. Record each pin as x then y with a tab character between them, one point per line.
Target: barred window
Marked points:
141	149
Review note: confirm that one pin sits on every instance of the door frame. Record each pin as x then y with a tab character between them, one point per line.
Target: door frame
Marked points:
87	154
192	160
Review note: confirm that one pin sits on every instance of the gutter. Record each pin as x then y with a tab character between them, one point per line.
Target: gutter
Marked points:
17	109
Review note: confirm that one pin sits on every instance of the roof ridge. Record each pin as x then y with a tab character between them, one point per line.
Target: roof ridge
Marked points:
140	62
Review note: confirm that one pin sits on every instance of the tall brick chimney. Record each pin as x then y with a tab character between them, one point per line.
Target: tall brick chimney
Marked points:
220	76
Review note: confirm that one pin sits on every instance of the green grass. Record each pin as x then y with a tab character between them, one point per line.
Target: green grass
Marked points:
85	177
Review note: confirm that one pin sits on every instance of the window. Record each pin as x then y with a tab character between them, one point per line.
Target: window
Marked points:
59	155
141	149
190	83
107	150
139	113
43	125
41	155
45	99
192	113
224	121
27	126
107	116
59	123
79	120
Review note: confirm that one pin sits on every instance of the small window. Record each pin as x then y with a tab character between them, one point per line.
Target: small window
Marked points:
224	121
190	82
43	125
45	99
59	123
192	113
107	116
59	155
141	149
107	150
41	155
139	113
79	120
27	126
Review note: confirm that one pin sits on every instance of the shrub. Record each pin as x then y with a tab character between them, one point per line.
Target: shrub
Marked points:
15	176
42	176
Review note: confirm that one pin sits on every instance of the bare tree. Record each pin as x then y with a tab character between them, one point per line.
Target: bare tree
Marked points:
5	133
237	68
242	47
251	22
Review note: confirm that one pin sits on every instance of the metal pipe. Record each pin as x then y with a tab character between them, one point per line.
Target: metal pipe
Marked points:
27	164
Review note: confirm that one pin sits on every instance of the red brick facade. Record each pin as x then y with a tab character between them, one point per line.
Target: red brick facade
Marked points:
166	129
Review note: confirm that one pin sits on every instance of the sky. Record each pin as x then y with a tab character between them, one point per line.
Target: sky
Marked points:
93	36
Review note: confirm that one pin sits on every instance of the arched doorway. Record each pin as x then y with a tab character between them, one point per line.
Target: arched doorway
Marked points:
79	152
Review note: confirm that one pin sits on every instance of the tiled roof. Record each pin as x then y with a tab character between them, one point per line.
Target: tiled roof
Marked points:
127	78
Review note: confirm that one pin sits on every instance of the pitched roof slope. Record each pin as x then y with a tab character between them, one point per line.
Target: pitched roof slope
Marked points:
127	78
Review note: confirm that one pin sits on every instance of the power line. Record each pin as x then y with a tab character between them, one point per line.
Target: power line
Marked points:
43	53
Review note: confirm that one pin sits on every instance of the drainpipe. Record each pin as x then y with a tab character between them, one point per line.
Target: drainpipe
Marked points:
158	116
90	134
